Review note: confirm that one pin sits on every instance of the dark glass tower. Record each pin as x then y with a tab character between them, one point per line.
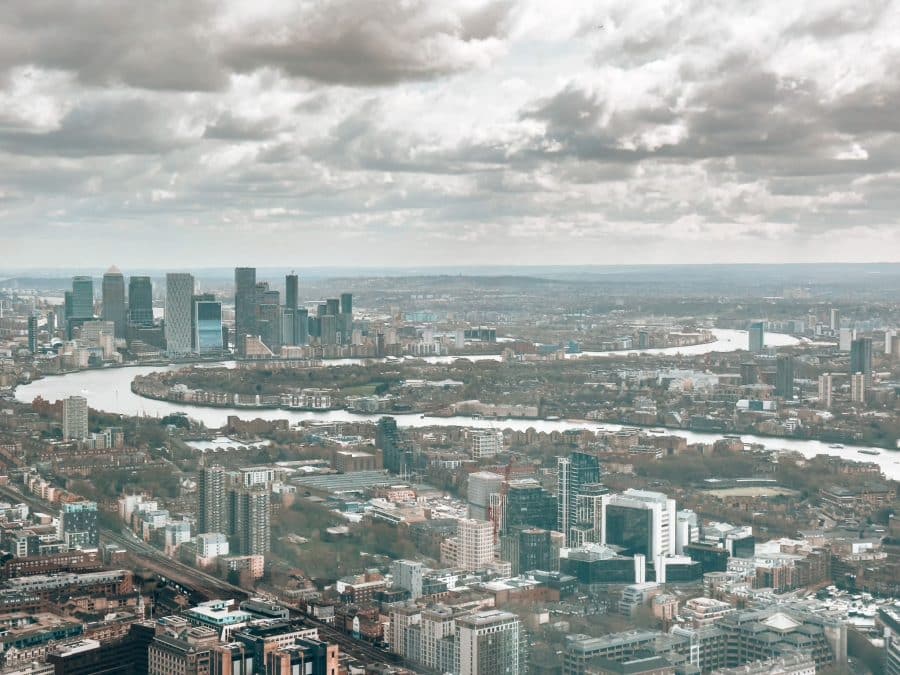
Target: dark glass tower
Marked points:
140	301
861	358
114	300
784	376
245	295
291	291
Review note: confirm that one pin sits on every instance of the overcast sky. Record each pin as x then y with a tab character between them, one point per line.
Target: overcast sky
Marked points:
411	132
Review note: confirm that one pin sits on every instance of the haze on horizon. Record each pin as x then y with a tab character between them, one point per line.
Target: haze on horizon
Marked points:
393	134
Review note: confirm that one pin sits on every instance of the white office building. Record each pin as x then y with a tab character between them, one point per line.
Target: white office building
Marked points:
481	486
485	443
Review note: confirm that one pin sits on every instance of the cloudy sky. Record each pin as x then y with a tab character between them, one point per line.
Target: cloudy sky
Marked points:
411	132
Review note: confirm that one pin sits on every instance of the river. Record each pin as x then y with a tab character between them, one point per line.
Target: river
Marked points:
110	390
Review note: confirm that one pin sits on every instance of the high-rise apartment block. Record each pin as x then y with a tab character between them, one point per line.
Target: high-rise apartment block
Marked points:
757	337
784	376
485	443
476	544
179	301
573	473
212	510
826	385
490	643
861	358
75	418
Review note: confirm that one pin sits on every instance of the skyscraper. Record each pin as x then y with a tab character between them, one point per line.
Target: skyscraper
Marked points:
179	301
332	306
140	301
490	643
529	505
75	418
347	303
825	388
784	376
32	333
757	338
835	319
291	291
114	300
212	509
207	324
269	318
251	524
346	322
861	358
244	305
329	329
573	472
82	298
301	326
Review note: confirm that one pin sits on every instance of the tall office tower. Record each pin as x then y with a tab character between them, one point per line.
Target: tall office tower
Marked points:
291	291
269	323
114	300
490	643
68	307
397	456
244	306
332	306
835	323
346	317
206	323
825	388
482	485
858	387
845	339
32	333
321	310
573	472
889	336
252	516
75	418
476	543
529	505
641	522
687	530
179	301
212	507
301	327
784	376
328	329
757	337
82	298
861	358
78	526
140	301
889	617
81	306
288	326
749	373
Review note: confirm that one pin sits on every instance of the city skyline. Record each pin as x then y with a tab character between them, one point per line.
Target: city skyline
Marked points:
379	133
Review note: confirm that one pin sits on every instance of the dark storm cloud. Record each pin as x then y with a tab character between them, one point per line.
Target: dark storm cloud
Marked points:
370	42
163	44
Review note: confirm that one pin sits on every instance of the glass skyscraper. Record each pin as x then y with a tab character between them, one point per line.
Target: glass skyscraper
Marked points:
140	301
207	323
573	473
756	337
82	298
114	300
244	305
